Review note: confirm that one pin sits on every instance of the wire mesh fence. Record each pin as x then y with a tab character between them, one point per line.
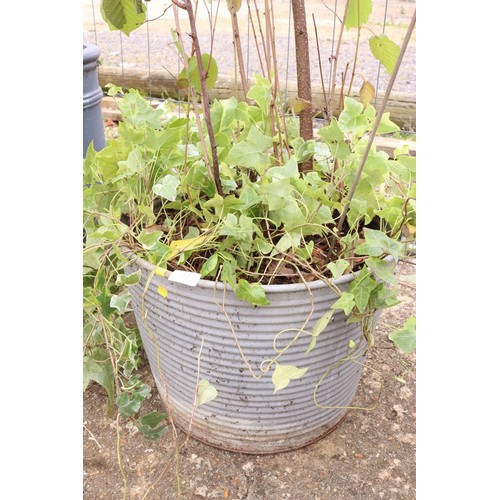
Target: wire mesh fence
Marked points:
148	57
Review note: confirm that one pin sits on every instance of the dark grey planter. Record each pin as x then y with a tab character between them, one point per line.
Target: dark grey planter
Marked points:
93	126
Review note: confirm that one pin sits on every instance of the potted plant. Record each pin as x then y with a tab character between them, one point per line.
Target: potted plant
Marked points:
256	260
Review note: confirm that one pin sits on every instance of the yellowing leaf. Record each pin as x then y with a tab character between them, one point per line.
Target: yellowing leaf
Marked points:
411	229
162	291
298	104
236	4
367	93
179	246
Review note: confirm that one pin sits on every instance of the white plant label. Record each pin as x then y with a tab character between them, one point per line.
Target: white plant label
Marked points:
185	277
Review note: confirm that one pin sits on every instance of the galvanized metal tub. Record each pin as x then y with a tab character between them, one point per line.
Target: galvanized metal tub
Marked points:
246	416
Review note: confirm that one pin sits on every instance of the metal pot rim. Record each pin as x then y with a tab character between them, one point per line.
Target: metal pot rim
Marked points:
287	287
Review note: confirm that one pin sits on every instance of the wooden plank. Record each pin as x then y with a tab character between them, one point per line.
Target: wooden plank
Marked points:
110	111
402	107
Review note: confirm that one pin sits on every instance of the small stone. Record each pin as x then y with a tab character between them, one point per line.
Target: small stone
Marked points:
248	467
201	491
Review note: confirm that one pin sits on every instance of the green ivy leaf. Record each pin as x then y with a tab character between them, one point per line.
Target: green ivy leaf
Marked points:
251	292
345	302
129	402
120	302
384	50
352	119
148	239
322	323
129	279
206	392
123	15
358	13
283	374
334	137
383	269
252	151
378	243
289	170
406	337
210	265
167	187
337	268
362	288
152	426
98	367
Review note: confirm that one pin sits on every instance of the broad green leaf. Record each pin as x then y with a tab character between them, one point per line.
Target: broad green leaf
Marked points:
289	170
152	425
322	323
351	119
223	113
167	187
251	292
209	67
252	151
148	239
210	265
362	288
345	302
406	337
358	13
277	194
337	268
261	94
228	273
287	241
385	51
383	269
128	279
123	15
206	392
378	243
334	137
284	373
129	402
387	125
303	150
312	345
100	369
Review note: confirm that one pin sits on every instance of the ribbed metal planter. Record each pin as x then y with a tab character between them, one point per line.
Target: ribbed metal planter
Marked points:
246	416
93	126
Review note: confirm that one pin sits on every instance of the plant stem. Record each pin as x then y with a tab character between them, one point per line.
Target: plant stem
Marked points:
335	61
320	68
187	6
239	52
377	121
303	72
